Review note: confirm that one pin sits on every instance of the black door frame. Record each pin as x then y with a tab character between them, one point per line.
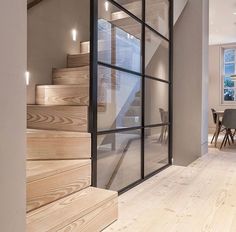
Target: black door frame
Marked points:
93	109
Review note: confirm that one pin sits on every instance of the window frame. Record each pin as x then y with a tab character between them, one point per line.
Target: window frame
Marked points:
222	75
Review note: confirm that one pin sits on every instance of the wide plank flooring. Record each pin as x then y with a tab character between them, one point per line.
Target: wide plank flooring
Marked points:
197	198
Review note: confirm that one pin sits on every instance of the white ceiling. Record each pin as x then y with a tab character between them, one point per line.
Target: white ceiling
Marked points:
222	21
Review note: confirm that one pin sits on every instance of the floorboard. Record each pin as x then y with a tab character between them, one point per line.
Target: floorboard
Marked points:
197	198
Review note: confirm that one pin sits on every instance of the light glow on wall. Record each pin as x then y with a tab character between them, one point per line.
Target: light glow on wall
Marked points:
106	5
74	34
27	77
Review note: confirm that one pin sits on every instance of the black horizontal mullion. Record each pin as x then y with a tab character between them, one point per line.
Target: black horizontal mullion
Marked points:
137	19
118	130
119	68
157	79
157	125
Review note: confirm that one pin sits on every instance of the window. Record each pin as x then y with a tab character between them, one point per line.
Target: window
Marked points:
229	75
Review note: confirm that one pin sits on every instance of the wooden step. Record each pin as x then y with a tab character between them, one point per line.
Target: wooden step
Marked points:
78	60
48	181
137	101
71	76
62	95
89	210
51	145
85	46
61	118
134	111
131	121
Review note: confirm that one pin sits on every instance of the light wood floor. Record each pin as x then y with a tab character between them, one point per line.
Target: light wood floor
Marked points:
197	198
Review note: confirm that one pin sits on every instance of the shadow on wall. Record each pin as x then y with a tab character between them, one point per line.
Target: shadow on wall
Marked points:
55	29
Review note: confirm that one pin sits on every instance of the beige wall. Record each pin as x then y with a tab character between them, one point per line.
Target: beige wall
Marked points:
49	37
13	115
190	83
214	82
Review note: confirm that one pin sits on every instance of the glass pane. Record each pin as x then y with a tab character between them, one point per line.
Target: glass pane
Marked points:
156	102
156	56
229	69
229	55
229	94
119	159
157	15
156	148
120	40
133	6
119	99
228	82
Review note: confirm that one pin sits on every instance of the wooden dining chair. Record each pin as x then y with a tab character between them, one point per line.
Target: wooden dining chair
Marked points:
229	122
214	116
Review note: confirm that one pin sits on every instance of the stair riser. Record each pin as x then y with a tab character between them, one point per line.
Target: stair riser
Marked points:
65	118
74	76
62	96
134	111
49	189
79	60
97	220
131	121
50	148
85	46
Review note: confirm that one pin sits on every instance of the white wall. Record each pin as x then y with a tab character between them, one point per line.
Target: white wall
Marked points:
190	83
214	82
13	115
49	38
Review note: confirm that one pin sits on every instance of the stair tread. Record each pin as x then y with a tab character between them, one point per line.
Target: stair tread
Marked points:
62	86
82	68
56	134
40	169
59	214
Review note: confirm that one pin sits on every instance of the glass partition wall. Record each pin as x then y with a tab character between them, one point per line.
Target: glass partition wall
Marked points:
131	107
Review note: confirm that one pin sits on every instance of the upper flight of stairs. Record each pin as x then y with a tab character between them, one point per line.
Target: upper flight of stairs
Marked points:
59	192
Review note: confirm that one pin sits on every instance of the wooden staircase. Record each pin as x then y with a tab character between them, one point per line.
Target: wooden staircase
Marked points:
59	192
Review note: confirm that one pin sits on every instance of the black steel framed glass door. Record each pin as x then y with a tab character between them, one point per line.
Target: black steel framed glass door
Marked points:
131	86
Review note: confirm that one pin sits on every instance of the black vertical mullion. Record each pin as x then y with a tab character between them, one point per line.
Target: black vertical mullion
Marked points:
171	25
93	86
143	91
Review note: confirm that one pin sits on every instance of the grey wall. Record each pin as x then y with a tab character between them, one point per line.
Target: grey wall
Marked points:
49	38
13	115
190	83
214	82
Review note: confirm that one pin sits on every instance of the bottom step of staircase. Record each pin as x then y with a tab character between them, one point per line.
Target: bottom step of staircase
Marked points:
89	210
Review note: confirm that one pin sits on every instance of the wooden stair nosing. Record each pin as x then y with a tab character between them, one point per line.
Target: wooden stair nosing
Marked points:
59	214
97	220
41	169
71	76
62	94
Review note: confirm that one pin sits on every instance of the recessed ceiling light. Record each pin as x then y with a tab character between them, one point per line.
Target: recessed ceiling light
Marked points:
234	13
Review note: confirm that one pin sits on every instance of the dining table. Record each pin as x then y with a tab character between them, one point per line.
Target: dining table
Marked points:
219	115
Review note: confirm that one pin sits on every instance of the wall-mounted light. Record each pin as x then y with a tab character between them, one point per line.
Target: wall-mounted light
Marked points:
234	13
74	34
106	5
27	77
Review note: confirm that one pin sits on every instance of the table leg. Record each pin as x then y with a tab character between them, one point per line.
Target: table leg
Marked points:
217	128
